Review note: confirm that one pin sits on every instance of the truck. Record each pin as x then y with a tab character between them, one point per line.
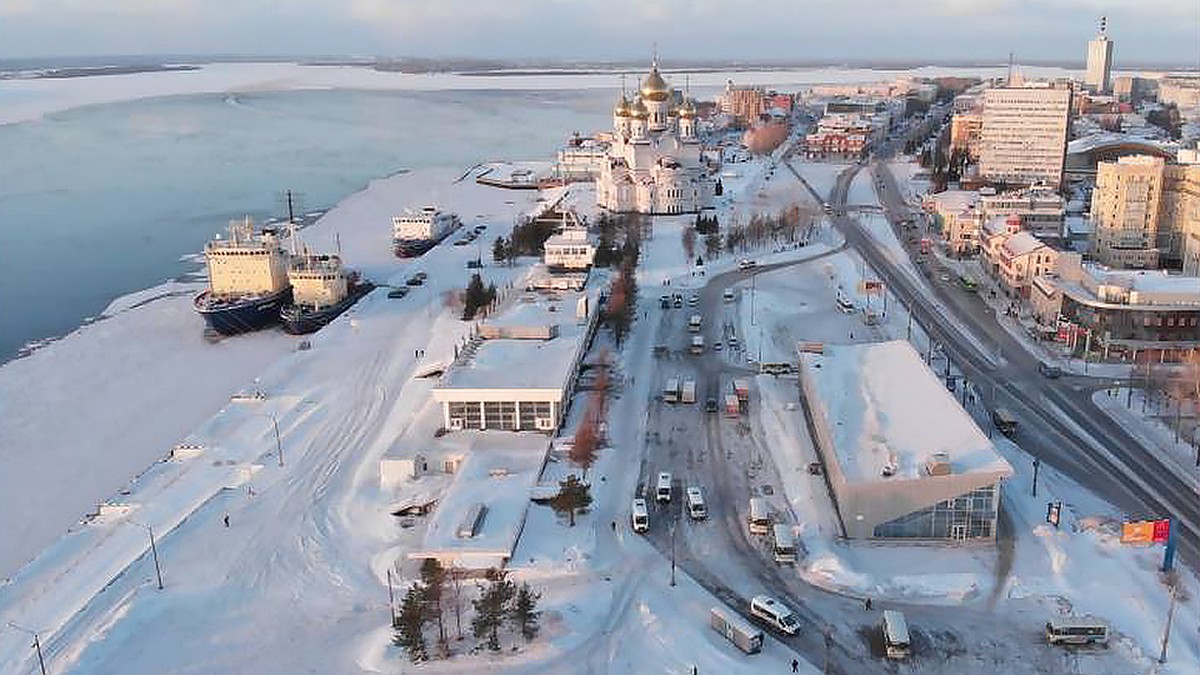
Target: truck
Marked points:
1004	421
736	629
688	394
671	390
733	407
694	323
741	387
697	344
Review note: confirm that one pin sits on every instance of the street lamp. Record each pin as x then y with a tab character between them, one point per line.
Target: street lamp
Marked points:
672	555
153	551
37	644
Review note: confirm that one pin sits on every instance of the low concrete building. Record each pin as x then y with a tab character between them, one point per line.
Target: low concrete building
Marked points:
1015	257
569	251
893	471
1041	210
957	215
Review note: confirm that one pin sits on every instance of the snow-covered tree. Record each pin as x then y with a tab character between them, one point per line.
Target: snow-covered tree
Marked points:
524	614
410	624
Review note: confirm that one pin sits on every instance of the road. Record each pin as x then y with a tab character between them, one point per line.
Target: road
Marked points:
1059	423
728	459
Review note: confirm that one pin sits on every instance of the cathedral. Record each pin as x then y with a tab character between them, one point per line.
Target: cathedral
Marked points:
654	163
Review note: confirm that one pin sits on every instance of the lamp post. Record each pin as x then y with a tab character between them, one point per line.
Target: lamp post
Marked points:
672	555
278	445
37	644
153	551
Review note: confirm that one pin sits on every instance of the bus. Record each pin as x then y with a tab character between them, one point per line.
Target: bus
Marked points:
736	629
695	504
697	344
639	516
895	634
663	492
1073	630
783	544
760	516
671	390
968	284
1004	421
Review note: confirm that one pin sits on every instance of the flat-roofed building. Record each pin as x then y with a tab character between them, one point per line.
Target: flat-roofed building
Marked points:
966	129
893	473
1024	135
1099	61
1125	210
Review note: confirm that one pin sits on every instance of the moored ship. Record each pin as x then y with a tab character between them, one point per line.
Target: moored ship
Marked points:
321	290
415	233
247	280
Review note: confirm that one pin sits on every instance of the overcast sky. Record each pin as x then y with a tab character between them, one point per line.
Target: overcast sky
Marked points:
1145	31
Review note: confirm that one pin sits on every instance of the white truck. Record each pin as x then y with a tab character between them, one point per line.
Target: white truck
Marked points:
736	629
688	393
697	344
671	390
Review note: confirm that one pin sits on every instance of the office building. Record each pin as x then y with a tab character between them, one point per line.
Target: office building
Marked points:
1023	139
1099	61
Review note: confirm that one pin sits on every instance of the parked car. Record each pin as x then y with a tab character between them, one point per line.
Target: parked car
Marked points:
1047	370
746	263
710	406
396	293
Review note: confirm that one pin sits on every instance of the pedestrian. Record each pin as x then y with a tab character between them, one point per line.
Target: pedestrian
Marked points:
226	520
795	666
614	526
868	603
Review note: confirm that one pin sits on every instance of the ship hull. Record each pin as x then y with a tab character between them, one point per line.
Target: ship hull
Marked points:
300	321
413	248
234	317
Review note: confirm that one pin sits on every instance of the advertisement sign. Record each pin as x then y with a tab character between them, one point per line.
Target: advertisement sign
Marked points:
1146	532
1162	531
870	287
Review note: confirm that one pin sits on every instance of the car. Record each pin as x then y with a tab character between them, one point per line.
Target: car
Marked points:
421	275
664	302
710	406
461	242
396	293
678	302
1049	371
474	264
945	277
414	281
480	228
733	342
746	263
717	346
694	300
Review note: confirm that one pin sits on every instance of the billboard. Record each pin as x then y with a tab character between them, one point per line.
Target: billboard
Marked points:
1146	531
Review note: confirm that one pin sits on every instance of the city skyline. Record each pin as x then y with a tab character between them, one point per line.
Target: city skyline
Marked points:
1153	32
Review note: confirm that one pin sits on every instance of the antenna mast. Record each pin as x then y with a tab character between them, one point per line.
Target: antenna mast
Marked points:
291	223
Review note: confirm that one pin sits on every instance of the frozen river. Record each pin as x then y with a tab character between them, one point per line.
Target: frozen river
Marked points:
103	200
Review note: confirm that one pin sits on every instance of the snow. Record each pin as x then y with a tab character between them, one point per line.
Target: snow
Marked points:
28	99
882	396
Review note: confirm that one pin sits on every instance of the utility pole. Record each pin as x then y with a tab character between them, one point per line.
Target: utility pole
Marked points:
753	283
672	555
1037	463
37	644
278	445
154	554
1162	655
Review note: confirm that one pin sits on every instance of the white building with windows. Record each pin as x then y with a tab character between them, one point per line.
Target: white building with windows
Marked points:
1098	75
518	372
569	250
654	163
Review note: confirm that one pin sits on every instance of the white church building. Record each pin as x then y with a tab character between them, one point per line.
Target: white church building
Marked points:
654	163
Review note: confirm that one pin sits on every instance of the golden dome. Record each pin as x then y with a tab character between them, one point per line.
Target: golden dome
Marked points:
655	88
622	108
639	109
688	108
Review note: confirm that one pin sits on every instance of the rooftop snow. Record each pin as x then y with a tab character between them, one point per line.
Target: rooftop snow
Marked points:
885	406
1023	243
498	473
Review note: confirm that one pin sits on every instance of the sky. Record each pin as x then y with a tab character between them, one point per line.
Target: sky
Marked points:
1144	31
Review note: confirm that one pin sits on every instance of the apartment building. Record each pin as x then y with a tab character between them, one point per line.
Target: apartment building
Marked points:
1125	212
1023	138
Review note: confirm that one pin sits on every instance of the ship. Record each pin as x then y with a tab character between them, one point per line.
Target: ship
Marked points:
247	280
321	290
413	234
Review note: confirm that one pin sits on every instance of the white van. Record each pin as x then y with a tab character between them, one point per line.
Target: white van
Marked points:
895	634
783	544
695	503
639	516
663	493
775	613
760	516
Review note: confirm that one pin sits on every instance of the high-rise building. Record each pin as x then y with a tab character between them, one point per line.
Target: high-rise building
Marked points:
1125	210
1023	139
1099	61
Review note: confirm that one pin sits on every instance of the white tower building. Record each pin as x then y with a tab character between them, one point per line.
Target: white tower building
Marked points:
1099	61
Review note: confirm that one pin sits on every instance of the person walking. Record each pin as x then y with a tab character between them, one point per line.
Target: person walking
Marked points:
795	666
226	520
867	604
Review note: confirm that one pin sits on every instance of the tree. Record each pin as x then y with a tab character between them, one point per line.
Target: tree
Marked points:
573	496
712	245
688	238
477	297
500	250
410	624
586	443
492	606
456	596
524	613
433	576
